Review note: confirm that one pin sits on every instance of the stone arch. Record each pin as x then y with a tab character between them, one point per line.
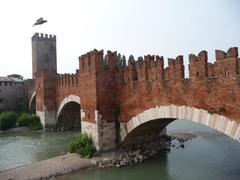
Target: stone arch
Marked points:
66	100
167	114
32	103
69	113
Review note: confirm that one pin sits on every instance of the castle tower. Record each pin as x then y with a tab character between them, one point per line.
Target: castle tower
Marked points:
44	55
44	71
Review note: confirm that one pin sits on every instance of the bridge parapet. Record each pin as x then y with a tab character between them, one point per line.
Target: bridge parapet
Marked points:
68	80
152	68
198	65
226	64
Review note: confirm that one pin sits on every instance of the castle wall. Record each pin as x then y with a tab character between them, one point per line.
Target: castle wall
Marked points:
67	84
12	95
207	88
110	92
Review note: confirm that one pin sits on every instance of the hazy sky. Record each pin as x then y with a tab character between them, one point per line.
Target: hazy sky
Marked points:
139	27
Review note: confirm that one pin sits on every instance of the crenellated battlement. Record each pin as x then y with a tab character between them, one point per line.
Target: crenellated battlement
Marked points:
227	64
175	68
89	61
96	61
68	80
232	52
151	68
198	65
44	37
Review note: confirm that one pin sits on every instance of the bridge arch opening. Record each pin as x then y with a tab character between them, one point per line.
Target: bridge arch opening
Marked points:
32	103
146	126
69	114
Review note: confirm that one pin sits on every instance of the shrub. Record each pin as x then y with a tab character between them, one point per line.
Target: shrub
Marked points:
7	120
35	123
23	120
29	120
83	145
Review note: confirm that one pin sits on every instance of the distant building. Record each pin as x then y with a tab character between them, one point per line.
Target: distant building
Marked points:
12	92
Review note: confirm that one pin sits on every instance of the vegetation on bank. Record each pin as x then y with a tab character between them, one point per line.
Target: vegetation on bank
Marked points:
83	145
10	119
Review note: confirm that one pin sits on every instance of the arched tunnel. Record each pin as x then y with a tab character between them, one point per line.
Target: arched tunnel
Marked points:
69	117
146	132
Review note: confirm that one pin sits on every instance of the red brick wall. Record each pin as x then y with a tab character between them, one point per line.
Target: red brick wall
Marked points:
198	67
226	63
203	90
45	85
67	84
102	86
239	65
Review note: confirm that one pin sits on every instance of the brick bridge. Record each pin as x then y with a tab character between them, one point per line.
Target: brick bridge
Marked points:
119	104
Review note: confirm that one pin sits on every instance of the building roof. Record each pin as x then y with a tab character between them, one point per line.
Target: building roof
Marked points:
5	79
11	79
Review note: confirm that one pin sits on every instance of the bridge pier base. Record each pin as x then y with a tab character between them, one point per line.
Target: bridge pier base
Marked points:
48	119
102	132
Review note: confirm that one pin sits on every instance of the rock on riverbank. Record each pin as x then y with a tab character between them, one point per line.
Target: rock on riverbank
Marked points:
139	153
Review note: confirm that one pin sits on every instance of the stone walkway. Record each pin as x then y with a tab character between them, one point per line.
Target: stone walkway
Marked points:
48	168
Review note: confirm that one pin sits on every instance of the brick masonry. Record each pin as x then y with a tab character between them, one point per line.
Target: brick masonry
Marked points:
104	84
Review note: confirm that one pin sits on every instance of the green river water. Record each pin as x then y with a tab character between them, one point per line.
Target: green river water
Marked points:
210	156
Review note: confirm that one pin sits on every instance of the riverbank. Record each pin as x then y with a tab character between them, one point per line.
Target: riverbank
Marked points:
68	163
136	154
49	168
16	130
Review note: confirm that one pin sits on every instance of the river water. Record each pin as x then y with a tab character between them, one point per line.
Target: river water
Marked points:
210	156
17	149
